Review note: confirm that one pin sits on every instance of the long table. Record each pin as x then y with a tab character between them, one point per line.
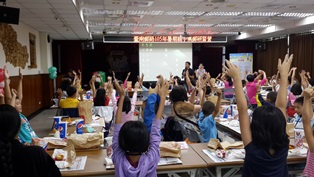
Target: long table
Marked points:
192	163
223	169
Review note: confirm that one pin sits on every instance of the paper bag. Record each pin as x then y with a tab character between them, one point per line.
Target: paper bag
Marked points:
215	144
56	144
85	111
85	141
290	129
170	149
67	154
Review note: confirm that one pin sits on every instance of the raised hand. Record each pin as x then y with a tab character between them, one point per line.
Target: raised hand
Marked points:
308	93
137	85
284	66
6	72
232	70
219	92
14	93
114	75
129	73
163	88
119	88
20	74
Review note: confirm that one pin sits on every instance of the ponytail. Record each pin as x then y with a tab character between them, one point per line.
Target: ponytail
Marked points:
6	165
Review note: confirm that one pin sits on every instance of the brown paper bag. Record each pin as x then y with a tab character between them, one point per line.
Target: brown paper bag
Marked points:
85	141
290	129
71	154
85	111
56	144
215	144
170	149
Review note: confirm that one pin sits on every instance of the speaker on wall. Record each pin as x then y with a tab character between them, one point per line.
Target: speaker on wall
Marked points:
260	46
9	15
89	45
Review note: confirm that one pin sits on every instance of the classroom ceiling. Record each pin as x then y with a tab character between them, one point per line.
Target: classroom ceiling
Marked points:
86	19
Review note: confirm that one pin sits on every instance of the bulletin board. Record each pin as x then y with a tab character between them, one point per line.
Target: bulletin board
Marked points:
244	61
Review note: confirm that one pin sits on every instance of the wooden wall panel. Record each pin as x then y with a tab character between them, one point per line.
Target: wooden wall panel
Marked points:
37	92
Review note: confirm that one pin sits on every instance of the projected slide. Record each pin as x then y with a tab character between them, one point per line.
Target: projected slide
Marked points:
163	58
243	60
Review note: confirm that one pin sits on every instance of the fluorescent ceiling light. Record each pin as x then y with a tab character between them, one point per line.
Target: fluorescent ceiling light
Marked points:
223	13
298	15
232	33
228	25
167	25
129	24
112	32
97	32
181	13
144	25
199	25
90	12
144	12
257	25
125	32
138	32
102	24
260	14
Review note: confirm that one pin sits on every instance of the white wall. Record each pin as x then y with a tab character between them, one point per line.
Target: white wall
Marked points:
43	61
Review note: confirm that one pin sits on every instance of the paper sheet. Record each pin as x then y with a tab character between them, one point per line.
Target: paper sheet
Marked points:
169	161
79	164
215	158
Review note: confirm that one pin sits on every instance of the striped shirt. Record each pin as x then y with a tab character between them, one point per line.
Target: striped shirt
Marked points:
309	170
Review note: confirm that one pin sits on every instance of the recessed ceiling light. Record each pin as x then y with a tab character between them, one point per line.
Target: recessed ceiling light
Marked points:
181	13
260	14
298	15
223	13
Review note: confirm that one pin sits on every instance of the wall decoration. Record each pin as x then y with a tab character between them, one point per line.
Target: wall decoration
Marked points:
15	53
32	50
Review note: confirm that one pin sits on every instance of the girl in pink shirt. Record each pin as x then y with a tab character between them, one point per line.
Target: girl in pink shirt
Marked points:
307	114
228	84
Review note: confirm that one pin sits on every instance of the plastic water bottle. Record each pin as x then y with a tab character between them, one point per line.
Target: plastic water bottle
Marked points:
226	113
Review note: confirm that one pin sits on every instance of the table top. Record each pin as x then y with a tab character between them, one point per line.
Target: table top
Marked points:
94	164
210	163
234	131
190	160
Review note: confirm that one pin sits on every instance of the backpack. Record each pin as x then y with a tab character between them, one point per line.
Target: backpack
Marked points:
169	131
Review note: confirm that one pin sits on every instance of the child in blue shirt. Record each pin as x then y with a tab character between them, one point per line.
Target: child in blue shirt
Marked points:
206	120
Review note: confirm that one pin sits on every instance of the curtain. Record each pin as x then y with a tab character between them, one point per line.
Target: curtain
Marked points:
268	60
302	48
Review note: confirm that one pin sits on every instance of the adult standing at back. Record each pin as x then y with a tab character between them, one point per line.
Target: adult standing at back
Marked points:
191	74
200	71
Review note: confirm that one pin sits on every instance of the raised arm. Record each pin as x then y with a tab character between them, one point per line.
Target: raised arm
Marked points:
20	86
126	80
307	115
283	68
13	100
188	80
2	99
121	100
292	76
217	107
92	85
7	90
234	72
162	92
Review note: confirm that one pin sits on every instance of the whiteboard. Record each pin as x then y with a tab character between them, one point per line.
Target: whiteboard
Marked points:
163	58
244	61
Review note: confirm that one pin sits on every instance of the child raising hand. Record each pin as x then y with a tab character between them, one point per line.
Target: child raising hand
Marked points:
265	139
135	151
